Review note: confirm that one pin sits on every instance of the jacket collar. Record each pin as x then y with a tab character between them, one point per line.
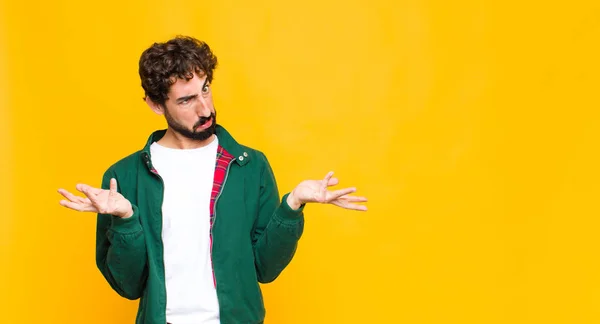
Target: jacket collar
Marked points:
239	152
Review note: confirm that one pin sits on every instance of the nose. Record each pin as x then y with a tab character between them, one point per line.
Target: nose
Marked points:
203	108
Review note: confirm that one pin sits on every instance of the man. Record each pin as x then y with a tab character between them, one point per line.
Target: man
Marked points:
191	223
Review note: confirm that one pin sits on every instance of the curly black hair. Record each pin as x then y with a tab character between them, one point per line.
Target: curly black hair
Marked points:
163	63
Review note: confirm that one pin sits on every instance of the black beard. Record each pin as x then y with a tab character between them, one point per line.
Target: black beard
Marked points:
191	133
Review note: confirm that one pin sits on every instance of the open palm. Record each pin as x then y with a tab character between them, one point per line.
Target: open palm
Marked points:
98	200
316	191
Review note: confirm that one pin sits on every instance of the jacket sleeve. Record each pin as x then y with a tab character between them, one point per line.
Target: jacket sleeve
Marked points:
277	230
121	250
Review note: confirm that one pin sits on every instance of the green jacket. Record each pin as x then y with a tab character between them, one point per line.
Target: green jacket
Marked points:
254	234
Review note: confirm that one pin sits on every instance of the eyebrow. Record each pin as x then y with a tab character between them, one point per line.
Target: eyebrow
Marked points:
184	98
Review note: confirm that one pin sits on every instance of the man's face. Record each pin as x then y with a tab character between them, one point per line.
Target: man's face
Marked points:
189	110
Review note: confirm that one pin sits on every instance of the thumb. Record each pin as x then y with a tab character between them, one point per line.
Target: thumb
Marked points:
113	186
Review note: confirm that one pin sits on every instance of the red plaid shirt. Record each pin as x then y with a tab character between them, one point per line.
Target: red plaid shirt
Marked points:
223	161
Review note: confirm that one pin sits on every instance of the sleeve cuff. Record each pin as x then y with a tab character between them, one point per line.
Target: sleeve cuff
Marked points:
127	225
286	212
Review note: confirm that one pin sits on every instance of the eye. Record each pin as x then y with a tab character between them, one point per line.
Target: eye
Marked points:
183	102
206	88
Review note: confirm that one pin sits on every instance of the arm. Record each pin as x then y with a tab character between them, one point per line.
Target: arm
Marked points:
277	230
121	250
280	223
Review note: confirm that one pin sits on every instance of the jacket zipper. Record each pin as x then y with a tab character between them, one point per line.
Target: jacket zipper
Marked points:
215	220
162	182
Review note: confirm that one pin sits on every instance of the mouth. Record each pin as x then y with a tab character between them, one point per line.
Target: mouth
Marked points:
204	123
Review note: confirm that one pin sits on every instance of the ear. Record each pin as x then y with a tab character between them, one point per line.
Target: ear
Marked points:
157	108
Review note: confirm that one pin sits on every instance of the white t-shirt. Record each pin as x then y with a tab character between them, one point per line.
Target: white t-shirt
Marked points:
188	179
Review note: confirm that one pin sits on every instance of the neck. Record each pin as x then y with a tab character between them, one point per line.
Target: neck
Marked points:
177	141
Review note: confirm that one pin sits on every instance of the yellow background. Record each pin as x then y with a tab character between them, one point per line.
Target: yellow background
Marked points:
472	127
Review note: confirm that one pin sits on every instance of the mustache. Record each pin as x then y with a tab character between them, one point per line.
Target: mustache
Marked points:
204	120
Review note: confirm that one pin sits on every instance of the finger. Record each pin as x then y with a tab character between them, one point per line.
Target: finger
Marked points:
333	195
333	182
83	187
78	207
94	200
113	186
70	196
92	197
346	205
324	183
353	198
328	177
357	207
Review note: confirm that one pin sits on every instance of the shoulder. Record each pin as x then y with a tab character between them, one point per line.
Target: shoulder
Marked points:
126	165
255	156
254	153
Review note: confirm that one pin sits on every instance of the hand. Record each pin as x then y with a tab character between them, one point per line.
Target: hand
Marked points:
316	191
98	200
